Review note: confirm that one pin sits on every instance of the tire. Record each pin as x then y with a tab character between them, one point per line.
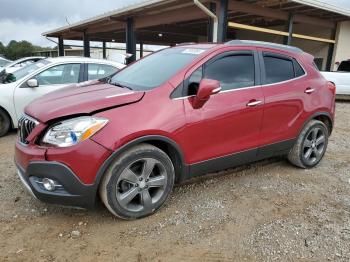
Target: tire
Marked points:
310	146
127	189
5	123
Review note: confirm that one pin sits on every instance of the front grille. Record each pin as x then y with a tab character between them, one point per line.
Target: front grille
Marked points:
26	125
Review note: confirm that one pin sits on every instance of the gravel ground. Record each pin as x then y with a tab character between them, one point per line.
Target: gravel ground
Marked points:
268	211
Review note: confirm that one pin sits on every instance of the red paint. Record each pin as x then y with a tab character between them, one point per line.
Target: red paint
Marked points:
224	124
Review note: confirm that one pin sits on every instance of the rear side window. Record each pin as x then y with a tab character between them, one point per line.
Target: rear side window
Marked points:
278	69
299	71
234	71
97	71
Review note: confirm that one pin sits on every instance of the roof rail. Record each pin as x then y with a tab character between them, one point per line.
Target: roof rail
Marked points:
264	44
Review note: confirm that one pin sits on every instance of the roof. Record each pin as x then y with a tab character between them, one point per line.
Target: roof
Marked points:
326	5
79	59
119	11
169	22
265	44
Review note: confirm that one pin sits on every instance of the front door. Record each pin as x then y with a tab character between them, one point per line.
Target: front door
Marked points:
230	121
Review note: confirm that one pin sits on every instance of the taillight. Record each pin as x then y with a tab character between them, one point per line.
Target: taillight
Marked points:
331	86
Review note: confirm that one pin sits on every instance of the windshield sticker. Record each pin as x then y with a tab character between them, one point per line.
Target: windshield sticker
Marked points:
193	51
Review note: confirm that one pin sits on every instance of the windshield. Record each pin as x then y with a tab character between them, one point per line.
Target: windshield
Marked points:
28	69
3	62
155	69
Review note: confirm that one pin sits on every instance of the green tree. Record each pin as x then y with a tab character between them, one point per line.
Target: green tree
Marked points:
2	49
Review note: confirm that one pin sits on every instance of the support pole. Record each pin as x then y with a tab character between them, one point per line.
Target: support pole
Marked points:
60	46
130	40
141	50
212	8
104	53
222	30
86	41
331	50
288	39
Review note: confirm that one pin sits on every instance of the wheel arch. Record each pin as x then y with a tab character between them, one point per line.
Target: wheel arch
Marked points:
324	117
169	146
8	114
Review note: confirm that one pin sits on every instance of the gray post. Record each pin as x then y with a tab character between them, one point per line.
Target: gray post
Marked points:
86	41
331	50
104	53
222	30
212	8
288	39
130	39
60	46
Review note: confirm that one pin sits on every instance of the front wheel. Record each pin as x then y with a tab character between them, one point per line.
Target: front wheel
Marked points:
310	146
138	182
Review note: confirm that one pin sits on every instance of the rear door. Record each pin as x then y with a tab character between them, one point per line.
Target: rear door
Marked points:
50	79
230	121
286	90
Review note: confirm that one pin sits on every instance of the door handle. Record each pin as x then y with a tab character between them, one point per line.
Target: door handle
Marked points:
254	103
309	90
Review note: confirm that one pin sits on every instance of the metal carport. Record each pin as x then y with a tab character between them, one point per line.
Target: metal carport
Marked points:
168	22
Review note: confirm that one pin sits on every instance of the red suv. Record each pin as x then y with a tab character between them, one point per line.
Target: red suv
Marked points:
178	113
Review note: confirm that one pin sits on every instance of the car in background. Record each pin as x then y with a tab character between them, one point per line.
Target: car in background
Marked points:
3	62
22	62
28	83
341	78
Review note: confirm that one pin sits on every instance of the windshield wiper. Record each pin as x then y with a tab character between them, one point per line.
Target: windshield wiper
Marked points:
120	85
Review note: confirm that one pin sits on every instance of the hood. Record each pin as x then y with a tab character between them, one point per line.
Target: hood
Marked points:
83	98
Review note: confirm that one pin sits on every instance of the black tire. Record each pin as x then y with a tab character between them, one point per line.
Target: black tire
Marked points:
5	123
127	178
308	150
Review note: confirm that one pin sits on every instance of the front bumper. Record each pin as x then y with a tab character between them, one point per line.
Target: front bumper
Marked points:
71	192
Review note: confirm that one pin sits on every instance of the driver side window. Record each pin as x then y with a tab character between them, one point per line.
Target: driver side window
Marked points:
232	71
60	74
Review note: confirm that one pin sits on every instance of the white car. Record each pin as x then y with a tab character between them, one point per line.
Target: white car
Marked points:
22	62
341	78
28	83
4	62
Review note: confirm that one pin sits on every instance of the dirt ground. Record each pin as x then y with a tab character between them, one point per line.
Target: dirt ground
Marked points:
268	211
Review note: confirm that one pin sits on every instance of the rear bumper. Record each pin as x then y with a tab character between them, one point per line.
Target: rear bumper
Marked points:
71	191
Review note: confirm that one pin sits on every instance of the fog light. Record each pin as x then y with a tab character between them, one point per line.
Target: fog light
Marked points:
49	184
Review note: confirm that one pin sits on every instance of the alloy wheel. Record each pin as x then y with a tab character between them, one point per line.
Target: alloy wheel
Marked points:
141	185
314	145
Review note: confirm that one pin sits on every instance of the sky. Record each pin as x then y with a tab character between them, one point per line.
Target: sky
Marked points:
28	19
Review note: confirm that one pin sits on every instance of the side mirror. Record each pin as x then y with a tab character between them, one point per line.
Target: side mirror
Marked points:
207	87
32	82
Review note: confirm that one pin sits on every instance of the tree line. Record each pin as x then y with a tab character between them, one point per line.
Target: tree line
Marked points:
18	49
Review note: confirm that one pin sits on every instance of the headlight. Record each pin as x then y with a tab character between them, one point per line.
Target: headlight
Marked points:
70	132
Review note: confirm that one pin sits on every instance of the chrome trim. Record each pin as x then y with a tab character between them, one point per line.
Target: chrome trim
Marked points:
41	183
255	103
116	95
309	90
217	90
26	125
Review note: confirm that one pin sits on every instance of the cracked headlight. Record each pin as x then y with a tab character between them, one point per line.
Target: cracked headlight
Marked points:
71	132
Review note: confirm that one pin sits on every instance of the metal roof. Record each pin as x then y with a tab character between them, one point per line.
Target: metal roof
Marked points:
181	21
119	11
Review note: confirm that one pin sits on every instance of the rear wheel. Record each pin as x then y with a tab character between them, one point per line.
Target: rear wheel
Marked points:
5	123
310	146
138	182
